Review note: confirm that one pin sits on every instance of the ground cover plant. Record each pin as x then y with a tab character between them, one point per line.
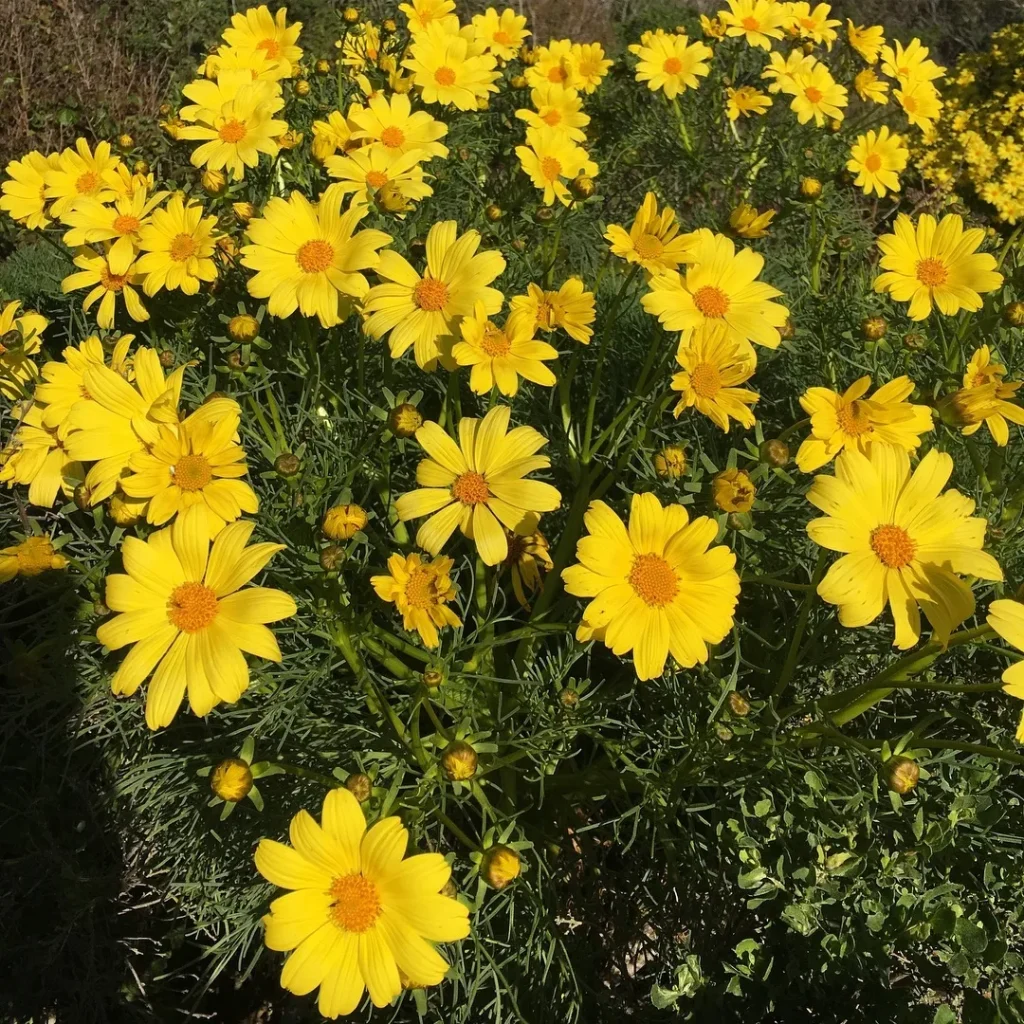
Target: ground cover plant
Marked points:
499	531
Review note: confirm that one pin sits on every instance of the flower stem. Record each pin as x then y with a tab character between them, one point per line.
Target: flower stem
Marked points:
801	626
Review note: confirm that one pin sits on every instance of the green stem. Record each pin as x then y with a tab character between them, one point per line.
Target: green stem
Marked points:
683	132
455	830
801	626
306	773
400	645
395	666
771	581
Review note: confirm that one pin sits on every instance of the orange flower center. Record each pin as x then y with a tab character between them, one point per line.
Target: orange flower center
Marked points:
420	591
470	488
182	248
909	104
355	903
88	182
495	342
711	301
392	137
315	256
444	75
893	546
193	606
931	272
501	36
271	47
808	22
376	179
648	246
430	294
551	168
552	117
751	24
232	131
126	224
557	74
813	94
545	315
192	472
873	162
706	380
590	67
853	419
112	282
654	580
672	66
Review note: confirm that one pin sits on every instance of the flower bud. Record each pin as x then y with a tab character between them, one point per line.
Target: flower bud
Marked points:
569	699
493	212
404	420
787	330
915	341
670	462
343	522
244	212
518	82
231	780
332	557
82	496
214	182
351	15
733	490
432	677
1013	314
873	328
236	361
166	358
360	786
544	215
582	187
500	866
738	704
775	452
902	774
723	732
810	188
141	167
287	464
125	141
323	67
464	154
302	87
243	327
459	761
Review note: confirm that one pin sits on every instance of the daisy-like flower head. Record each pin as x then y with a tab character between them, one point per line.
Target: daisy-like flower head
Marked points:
870	88
199	463
528	559
551	159
183	608
361	46
745	100
477	485
877	161
80	173
23	195
259	65
501	355
37	456
672	63
32	557
785	73
653	239
446	71
421	14
713	28
655	587
909	64
554	65
819	96
361	915
310	257
558	108
815	24
21	337
502	34
986	399
572	308
733	491
720	285
1007	619
391	123
853	420
421	590
904	542
920	102
713	366
747	222
867	40
335	133
63	383
177	245
105	286
424	312
258	30
758	21
589	66
936	264
364	172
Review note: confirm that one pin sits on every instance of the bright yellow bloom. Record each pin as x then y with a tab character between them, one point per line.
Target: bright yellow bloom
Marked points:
37	456
258	63
653	240
920	102
446	71
851	420
185	612
903	540
421	14
105	286
23	194
1007	619
502	34
361	915
758	21
558	108
655	587
333	134
733	491
310	257
713	367
499	356
672	63
550	158
33	556
361	46
258	31
80	173
713	28
785	73
63	383
364	172
21	336
420	589
745	100
391	122
477	484
910	65
196	464
90	221
877	160
720	285
589	66
985	398
936	264
819	96
554	65
572	308
815	24
867	40
424	312
747	222
870	88
177	247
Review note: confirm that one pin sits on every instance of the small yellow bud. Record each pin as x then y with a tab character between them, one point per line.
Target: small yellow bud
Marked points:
141	167
231	780
432	678
389	198
244	211
734	490
527	56
545	214
670	462
738	704
500	866
243	327
360	786
331	558
810	188
291	139
873	328
493	212
1013	313
404	420
343	522
287	464
214	182
125	141
775	452
518	82
582	187
351	15
902	774
302	87
166	358
459	761
165	109
323	67
914	341
388	25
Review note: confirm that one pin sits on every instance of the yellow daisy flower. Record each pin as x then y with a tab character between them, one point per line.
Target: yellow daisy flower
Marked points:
572	308
258	63
477	484
550	158
177	246
1007	619
310	257
921	104
653	240
784	73
733	491
361	915
391	122
21	336
554	65
257	30
747	222
909	64
105	286
720	285
363	172
877	160
499	356
502	34
528	559
445	71
589	66
758	21
32	557
80	173
37	456
335	133
655	587
23	194
424	312
713	367
870	88
713	28
183	608
672	63
815	24
63	382
420	589
903	540
851	420
820	96
421	14
985	398
361	46
745	100
867	40
936	264
558	108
